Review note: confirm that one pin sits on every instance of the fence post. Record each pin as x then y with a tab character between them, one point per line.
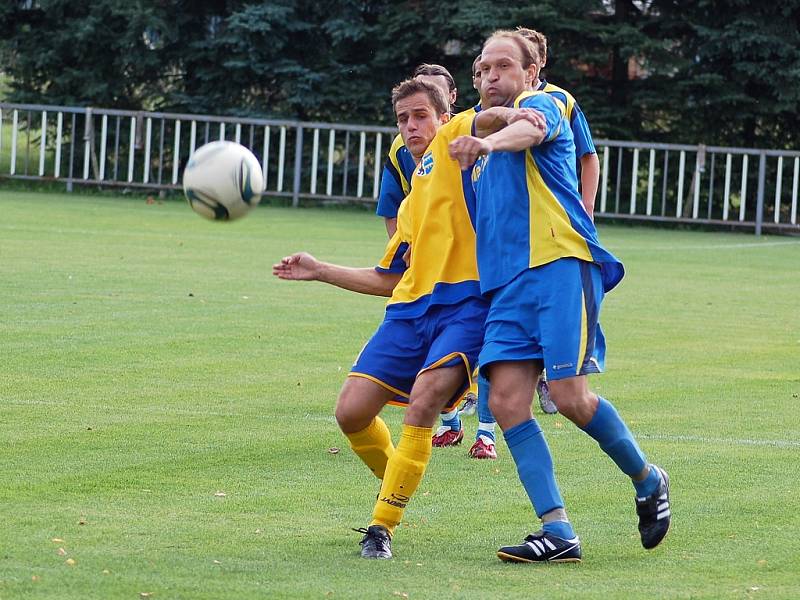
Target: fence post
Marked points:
298	163
762	171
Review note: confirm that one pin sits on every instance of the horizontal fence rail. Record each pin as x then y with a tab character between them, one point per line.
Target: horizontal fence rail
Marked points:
334	162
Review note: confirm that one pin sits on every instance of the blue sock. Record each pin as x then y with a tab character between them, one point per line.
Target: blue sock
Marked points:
648	485
534	466
486	420
452	420
615	439
562	529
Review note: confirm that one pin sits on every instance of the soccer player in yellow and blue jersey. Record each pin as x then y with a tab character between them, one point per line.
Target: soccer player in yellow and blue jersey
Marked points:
404	156
545	273
423	353
588	164
401	161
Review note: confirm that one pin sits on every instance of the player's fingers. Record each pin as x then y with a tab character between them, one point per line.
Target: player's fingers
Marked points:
291	259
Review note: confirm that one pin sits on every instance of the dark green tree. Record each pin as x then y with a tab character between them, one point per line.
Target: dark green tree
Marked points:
97	53
713	71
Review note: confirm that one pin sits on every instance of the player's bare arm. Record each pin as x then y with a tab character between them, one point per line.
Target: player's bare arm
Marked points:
304	267
494	119
467	148
517	136
590	176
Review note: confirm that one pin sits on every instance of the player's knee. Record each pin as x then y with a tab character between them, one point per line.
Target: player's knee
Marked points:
573	401
507	408
347	416
343	417
423	409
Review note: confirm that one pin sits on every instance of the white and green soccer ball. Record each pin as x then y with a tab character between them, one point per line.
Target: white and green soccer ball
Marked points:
223	181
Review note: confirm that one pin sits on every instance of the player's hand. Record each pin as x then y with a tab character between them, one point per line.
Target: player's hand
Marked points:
467	149
531	115
298	267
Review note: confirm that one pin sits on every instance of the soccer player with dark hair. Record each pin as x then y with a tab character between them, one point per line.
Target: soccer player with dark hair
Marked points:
545	273
423	353
400	163
438	75
395	186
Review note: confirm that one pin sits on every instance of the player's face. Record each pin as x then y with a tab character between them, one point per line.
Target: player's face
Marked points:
441	82
418	122
502	76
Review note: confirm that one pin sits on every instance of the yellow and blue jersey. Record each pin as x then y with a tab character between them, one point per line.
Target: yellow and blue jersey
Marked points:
529	211
437	219
395	179
577	121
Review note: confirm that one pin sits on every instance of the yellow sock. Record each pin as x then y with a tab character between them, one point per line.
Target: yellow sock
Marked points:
403	474
373	445
473	388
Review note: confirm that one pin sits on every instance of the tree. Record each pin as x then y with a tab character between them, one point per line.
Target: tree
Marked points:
94	53
712	71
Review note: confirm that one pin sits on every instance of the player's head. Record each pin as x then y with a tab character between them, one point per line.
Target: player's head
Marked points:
538	39
476	79
438	75
509	65
421	108
476	73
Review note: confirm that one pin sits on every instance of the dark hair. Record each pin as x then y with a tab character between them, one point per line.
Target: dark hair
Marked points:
537	38
528	50
434	70
409	87
475	64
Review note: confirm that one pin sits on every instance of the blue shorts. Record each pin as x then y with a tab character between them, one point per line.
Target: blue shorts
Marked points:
548	313
445	336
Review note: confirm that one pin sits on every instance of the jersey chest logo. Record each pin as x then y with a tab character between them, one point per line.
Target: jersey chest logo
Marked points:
425	165
478	168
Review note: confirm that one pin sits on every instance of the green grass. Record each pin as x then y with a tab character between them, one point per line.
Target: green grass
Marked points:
150	362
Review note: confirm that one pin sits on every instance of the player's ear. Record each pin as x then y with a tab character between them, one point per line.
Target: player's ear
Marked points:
533	73
444	118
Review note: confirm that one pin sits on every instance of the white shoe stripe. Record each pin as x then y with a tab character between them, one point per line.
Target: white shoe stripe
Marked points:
663	514
534	548
564	551
549	544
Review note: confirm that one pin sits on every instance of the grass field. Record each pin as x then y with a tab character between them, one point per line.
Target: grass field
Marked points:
166	419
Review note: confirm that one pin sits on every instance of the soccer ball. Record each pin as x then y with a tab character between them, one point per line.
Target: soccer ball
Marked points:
223	181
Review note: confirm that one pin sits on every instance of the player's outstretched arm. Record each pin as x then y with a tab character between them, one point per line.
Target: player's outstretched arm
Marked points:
519	135
494	119
490	120
304	267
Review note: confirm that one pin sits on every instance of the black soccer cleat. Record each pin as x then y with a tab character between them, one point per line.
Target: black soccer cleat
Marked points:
542	547
654	512
376	543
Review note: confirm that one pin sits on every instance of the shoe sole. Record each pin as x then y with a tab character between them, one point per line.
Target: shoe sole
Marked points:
669	525
483	457
450	445
511	558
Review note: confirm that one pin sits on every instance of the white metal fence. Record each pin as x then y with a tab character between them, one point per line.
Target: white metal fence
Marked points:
739	187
